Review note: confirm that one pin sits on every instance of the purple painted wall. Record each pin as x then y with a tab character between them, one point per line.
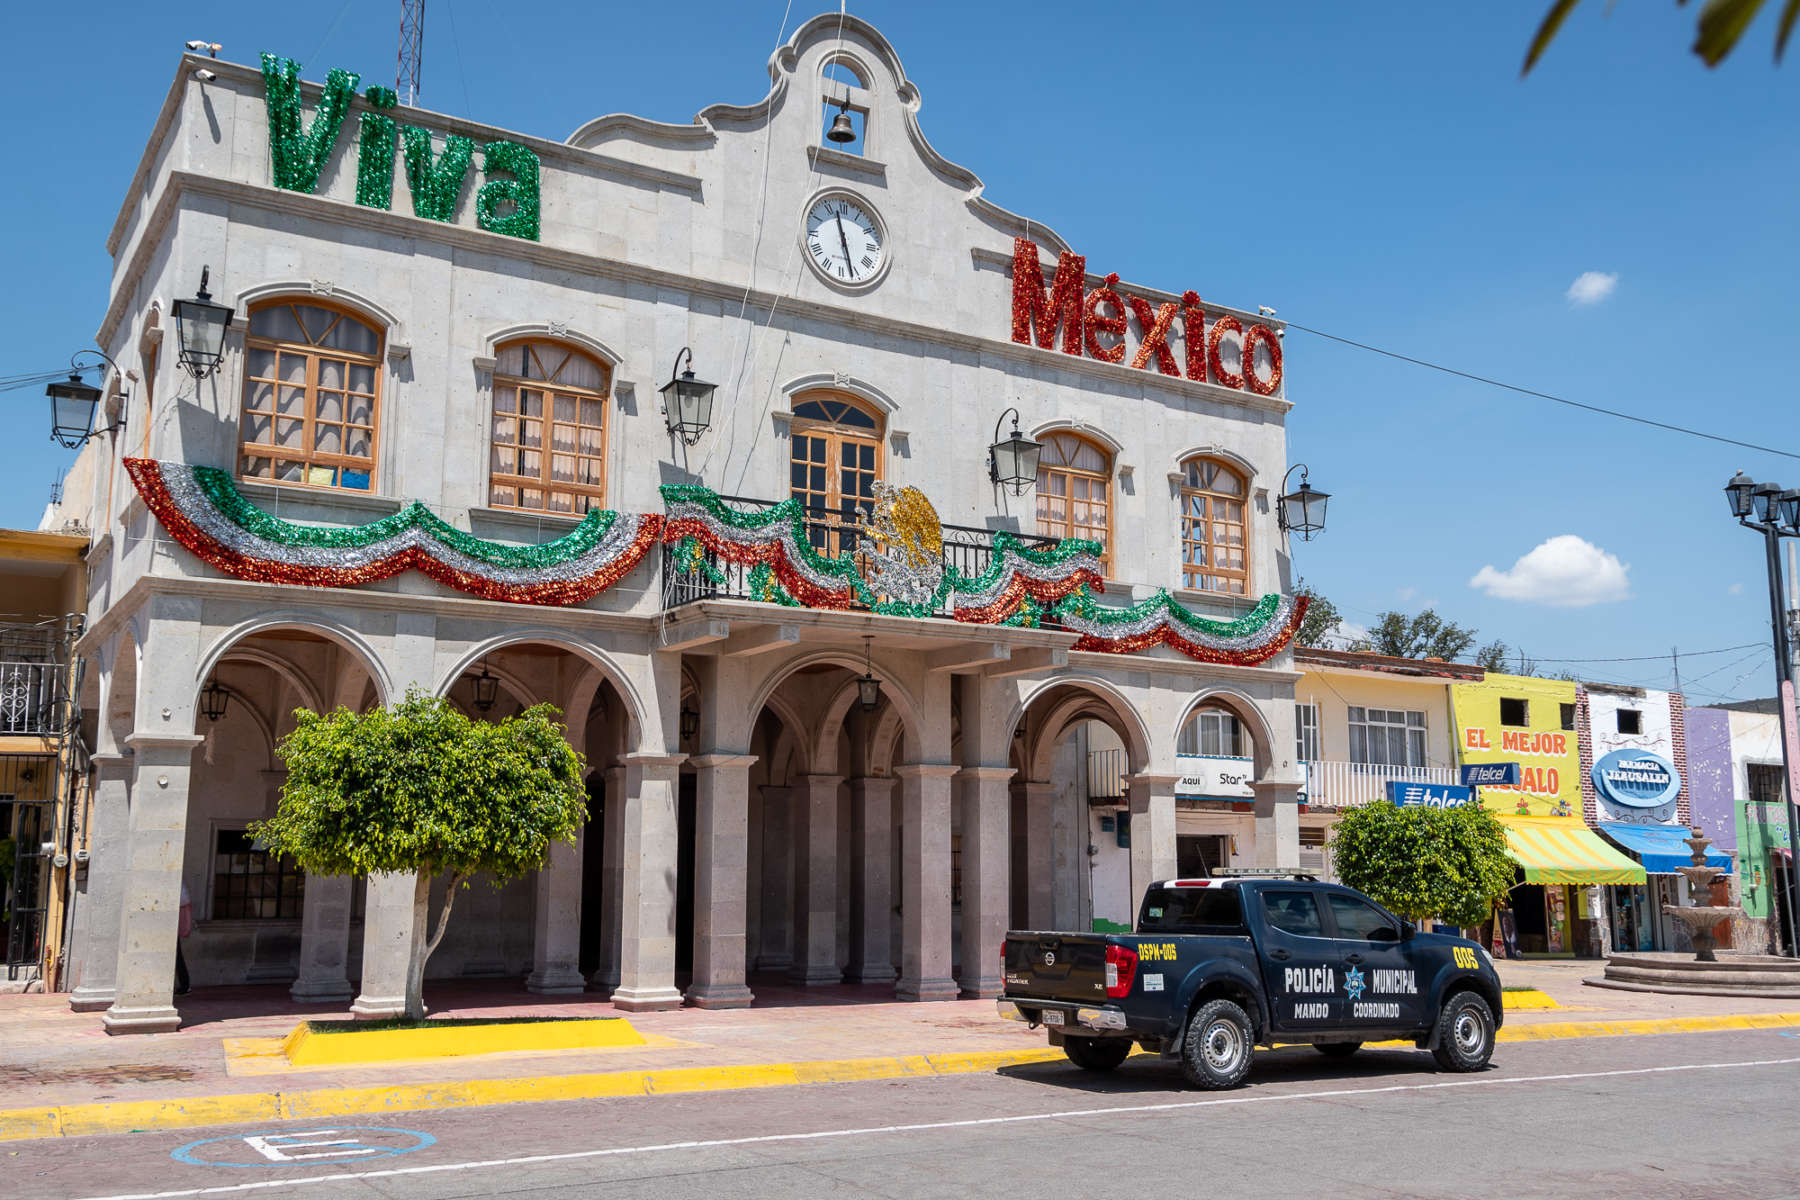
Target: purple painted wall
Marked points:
1709	775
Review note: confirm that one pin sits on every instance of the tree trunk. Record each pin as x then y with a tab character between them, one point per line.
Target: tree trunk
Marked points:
421	948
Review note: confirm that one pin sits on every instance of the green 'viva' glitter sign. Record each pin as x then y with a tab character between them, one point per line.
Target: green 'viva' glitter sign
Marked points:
506	202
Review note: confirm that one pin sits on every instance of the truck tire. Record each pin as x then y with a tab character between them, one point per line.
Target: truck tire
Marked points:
1337	1049
1465	1033
1215	1053
1096	1054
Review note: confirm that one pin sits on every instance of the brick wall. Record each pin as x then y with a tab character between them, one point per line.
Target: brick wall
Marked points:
1584	743
1684	809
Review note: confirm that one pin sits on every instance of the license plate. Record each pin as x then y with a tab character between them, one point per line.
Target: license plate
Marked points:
1053	1016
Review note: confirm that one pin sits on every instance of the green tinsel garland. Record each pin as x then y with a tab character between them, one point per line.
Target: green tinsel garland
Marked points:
1029	616
297	157
521	191
223	494
1081	604
435	185
764	587
375	161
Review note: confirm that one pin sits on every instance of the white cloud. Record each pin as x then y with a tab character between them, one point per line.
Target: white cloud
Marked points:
1565	571
1736	589
1406	593
1591	287
1345	634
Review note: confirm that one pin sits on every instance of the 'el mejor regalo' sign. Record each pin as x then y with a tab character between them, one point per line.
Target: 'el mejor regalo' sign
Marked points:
506	202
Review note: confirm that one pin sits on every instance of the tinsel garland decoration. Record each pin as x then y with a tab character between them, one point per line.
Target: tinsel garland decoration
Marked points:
201	508
1265	335
375	160
1031	306
521	191
1156	324
1094	323
1248	641
1216	335
1016	576
296	157
1193	334
435	183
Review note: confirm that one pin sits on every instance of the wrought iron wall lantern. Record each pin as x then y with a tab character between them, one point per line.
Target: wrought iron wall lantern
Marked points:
1013	463
200	327
487	689
687	401
1301	511
690	722
73	402
214	700
868	688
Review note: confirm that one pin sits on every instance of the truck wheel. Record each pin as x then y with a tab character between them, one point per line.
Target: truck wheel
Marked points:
1096	1054
1465	1033
1337	1049
1215	1054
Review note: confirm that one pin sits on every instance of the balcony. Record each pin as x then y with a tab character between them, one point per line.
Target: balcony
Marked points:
1347	784
30	680
967	549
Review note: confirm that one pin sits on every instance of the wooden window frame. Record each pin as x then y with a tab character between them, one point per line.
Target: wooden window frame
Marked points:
1192	574
830	511
305	454
1105	479
551	388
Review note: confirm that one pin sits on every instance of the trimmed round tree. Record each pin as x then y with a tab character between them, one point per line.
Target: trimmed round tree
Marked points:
1425	862
421	789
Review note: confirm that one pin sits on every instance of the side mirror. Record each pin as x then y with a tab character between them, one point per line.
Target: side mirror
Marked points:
1407	929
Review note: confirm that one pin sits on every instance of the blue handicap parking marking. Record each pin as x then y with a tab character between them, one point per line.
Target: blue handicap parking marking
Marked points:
303	1147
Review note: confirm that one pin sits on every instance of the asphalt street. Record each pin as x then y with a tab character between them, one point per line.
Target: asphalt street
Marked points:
1677	1116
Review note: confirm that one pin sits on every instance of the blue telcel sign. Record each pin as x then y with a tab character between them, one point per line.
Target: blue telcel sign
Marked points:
1430	795
1500	774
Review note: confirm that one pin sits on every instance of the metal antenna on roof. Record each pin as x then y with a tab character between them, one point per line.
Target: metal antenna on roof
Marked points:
412	50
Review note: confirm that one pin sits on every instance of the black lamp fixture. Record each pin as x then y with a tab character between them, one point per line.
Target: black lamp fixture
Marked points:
1737	494
841	130
73	401
1301	511
690	722
200	327
868	688
1013	463
687	402
213	700
487	689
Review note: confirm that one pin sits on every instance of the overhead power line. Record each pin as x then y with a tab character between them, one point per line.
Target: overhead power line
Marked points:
1525	391
1650	657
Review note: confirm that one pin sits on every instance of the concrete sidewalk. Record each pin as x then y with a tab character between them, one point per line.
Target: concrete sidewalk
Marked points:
51	1058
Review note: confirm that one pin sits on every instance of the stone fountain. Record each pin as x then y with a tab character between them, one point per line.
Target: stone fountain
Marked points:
1700	918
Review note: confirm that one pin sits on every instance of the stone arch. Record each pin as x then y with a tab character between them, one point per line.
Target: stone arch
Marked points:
891	689
119	699
1224	455
1089	698
346	639
827	381
1093	433
887	733
1245	710
595	657
303	289
793	729
552	333
293	675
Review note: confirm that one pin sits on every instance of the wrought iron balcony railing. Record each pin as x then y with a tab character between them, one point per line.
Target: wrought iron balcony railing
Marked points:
31	679
840	534
1348	784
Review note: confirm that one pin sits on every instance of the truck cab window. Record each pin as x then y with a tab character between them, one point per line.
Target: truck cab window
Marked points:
1192	910
1361	922
1293	912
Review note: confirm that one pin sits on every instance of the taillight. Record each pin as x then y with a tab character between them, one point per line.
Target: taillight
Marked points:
1003	958
1121	971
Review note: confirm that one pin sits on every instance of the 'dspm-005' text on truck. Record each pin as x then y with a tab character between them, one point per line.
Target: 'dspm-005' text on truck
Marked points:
1220	966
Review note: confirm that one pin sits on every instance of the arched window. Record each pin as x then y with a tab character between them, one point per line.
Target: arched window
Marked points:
549	441
1214	733
833	463
1074	491
1214	549
312	396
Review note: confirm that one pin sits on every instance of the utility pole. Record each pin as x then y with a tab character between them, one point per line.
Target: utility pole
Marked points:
412	50
1675	653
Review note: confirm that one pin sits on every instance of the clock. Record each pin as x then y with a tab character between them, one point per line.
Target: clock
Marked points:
844	240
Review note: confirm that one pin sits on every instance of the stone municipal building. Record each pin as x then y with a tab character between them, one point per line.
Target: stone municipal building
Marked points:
856	693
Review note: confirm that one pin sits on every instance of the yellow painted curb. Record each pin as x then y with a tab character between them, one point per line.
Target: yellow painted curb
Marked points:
1528	1000
183	1113
310	1046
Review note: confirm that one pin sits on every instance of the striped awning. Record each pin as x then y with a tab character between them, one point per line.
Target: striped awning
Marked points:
1563	850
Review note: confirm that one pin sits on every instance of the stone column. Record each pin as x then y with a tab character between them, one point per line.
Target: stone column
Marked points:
925	883
1277	823
872	832
393	921
1152	833
150	912
774	951
721	874
815	810
325	941
986	803
612	879
647	905
556	923
1041	799
102	905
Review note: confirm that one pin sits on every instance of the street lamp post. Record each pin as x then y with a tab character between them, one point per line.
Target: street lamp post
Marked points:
1774	512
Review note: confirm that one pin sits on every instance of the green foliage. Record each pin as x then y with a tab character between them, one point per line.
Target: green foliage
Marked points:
1320	623
1717	31
1424	636
1425	862
419	787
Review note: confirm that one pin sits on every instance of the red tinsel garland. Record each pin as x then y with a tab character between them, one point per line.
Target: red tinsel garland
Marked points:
1165	635
1193	334
1095	323
750	554
1220	327
1253	335
1031	306
1044	591
1155	323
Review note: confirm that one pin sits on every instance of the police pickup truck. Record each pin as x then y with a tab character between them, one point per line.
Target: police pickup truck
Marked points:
1219	966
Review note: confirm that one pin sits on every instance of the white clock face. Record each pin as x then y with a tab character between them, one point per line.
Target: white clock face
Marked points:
844	240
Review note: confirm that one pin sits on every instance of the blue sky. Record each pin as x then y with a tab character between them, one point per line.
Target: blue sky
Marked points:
1377	171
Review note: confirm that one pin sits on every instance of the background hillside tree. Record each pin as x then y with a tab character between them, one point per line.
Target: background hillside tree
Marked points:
419	788
1717	30
1425	862
1319	627
1424	636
